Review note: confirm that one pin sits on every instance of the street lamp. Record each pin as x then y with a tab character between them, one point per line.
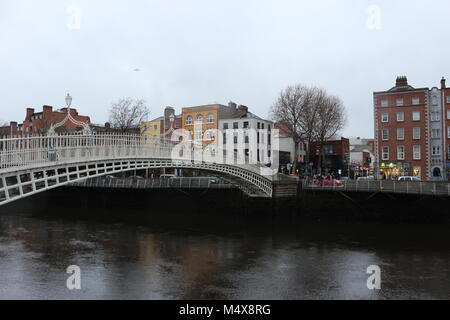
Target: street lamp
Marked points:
68	101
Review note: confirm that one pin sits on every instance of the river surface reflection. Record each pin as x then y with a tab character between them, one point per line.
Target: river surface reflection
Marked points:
148	255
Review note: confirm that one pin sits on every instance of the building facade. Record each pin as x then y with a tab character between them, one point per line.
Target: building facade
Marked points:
40	122
249	136
336	156
160	129
411	130
202	122
362	157
445	100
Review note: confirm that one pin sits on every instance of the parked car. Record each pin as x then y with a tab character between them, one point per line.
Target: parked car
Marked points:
324	181
407	178
366	178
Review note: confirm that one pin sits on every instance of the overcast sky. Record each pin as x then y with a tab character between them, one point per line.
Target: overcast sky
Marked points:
193	52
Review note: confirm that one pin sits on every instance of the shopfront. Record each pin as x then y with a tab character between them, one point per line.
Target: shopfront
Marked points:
392	171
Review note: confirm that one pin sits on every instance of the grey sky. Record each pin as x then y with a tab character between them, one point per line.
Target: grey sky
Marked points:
193	52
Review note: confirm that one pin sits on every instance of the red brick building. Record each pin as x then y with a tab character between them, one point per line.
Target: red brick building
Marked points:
40	122
401	131
336	156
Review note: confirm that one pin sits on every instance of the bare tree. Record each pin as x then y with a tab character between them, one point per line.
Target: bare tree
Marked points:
331	118
308	114
127	114
289	113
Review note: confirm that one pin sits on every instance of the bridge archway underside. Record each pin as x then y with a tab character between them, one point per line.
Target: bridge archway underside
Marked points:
23	182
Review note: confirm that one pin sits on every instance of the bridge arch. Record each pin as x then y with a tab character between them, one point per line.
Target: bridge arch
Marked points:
15	185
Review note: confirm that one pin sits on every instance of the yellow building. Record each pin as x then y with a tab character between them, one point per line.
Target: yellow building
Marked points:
151	130
200	121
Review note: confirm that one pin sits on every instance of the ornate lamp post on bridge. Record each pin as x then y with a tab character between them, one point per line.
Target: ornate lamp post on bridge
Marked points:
68	117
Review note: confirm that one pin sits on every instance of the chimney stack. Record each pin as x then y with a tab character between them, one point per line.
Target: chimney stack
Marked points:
13	128
30	112
401	82
443	86
242	109
168	111
47	109
233	107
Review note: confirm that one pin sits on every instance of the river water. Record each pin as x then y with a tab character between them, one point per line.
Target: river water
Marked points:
149	254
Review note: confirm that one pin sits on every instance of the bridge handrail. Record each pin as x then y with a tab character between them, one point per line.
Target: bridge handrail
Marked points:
440	188
23	151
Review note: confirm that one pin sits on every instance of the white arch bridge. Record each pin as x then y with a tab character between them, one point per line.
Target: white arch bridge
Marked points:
29	165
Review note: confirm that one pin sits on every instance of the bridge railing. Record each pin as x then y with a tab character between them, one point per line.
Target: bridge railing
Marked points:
387	186
130	183
29	151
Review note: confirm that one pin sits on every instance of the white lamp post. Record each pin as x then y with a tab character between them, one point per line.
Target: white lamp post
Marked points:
68	101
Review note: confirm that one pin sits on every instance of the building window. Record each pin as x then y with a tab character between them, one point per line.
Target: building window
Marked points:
209	135
435	116
416	133
246	125
385	135
210	118
235	139
415	101
246	139
385	117
225	126
434	101
189	121
224	138
435	133
448	114
448	132
399	102
199	118
269	140
385	153
448	153
384	103
436	151
448	99
400	134
416	153
416	116
259	125
198	134
400	153
262	126
400	116
235	125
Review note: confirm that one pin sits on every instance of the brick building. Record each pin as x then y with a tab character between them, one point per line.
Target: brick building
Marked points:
336	154
40	122
411	135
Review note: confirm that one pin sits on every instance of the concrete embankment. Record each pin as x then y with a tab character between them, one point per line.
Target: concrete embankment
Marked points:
289	203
